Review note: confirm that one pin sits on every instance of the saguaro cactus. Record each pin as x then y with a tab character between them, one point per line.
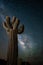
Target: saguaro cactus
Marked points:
12	30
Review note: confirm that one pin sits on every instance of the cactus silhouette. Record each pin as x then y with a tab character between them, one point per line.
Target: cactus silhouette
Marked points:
12	30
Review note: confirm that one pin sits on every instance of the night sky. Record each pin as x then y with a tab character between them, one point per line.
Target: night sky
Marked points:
30	43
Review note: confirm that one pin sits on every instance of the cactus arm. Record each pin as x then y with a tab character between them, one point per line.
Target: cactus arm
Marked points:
5	26
15	26
21	29
8	22
13	20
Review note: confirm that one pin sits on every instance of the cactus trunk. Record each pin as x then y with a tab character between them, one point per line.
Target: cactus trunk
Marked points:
12	49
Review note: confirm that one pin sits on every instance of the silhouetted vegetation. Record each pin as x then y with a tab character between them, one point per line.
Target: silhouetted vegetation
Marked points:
2	62
25	63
